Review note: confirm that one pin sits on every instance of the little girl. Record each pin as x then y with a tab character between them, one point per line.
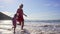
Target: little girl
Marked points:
14	22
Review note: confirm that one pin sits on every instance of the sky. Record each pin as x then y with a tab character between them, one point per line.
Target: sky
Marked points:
34	9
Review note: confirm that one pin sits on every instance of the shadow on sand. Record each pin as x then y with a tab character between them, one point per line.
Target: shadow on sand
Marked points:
23	32
0	32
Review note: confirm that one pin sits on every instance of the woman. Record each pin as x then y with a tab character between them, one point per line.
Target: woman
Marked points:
20	14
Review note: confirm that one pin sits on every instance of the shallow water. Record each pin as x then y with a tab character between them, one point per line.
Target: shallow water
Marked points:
31	27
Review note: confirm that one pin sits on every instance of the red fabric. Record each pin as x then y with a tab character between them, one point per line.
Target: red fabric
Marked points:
20	16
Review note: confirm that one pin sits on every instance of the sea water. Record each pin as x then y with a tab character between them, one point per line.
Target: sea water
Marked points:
32	27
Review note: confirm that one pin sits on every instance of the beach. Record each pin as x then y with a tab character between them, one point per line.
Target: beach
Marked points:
30	28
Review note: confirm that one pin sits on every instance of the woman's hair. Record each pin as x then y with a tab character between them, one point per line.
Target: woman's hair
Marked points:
21	5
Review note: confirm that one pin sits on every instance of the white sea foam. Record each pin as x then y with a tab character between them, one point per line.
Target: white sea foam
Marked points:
31	28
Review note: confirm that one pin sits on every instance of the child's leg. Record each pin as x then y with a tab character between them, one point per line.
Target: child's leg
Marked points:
14	30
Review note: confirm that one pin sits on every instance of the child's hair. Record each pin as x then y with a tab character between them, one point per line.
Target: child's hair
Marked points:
15	15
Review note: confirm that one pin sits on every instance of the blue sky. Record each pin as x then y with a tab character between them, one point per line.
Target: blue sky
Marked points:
35	9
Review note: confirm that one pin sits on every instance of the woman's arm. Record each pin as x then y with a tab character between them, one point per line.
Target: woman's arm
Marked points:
24	14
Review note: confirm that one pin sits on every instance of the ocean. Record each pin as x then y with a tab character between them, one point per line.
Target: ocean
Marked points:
30	27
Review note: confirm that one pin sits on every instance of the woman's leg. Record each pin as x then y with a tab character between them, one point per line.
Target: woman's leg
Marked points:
22	25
